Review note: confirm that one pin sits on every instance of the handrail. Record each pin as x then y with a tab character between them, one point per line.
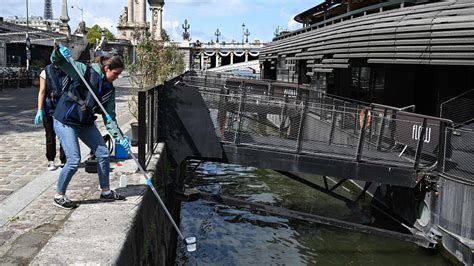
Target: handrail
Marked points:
392	107
368	135
347	99
456	97
443	104
444	120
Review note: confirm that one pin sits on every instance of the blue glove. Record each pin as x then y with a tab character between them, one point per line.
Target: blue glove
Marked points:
65	52
125	142
38	117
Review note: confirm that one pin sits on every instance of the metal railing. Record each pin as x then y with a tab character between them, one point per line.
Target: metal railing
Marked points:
459	109
16	77
147	124
459	162
297	119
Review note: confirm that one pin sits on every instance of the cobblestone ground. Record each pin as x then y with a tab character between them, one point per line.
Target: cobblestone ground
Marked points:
22	159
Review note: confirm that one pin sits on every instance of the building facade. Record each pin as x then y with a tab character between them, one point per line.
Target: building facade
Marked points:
36	22
399	53
396	53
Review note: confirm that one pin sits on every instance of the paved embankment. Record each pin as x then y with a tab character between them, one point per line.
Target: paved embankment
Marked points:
32	229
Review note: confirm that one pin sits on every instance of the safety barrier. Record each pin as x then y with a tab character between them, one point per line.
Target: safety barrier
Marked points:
147	123
298	119
16	77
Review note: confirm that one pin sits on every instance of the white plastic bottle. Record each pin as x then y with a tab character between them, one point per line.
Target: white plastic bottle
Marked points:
123	181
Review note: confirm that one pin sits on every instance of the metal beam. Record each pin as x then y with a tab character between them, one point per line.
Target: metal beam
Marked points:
320	165
274	210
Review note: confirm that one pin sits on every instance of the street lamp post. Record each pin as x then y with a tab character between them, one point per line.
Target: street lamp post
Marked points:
217	33
27	40
82	12
243	32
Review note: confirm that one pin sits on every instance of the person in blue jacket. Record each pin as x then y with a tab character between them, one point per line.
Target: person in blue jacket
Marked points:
74	119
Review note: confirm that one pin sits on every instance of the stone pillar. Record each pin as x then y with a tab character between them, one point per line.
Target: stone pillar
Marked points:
142	16
246	56
232	57
152	24
64	27
217	58
139	14
159	25
156	22
131	12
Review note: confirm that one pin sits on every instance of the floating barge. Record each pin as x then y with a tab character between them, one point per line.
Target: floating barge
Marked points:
398	53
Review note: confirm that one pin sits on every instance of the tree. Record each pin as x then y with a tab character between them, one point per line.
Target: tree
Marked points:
154	64
95	32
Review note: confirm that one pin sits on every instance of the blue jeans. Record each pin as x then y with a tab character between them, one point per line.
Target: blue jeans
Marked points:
69	137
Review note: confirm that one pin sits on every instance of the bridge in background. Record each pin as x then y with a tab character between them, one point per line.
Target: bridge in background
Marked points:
253	66
231	55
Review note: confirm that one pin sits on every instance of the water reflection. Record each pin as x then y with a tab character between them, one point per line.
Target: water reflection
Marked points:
236	236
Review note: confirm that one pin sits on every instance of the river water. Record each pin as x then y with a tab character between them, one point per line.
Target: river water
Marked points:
237	236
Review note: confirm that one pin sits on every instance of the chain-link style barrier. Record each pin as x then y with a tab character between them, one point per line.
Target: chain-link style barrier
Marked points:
459	109
16	77
460	153
299	119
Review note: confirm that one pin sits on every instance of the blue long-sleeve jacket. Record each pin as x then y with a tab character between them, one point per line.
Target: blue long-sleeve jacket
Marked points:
68	110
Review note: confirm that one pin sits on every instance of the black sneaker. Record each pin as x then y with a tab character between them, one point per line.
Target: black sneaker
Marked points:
64	202
113	195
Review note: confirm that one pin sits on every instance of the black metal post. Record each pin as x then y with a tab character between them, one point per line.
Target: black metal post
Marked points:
240	116
361	136
441	147
382	129
333	125
419	148
299	140
151	120
142	127
222	113
282	116
156	114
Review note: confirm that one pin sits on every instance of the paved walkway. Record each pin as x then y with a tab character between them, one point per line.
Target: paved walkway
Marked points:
28	219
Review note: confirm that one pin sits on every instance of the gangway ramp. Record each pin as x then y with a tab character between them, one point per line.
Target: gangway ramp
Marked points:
289	130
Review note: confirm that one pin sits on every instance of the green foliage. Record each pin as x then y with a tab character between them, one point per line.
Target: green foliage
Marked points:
154	64
165	36
96	33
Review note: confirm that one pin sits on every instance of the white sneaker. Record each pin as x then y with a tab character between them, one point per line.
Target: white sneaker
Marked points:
51	166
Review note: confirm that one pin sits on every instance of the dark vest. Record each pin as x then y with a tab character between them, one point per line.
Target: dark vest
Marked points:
56	82
77	106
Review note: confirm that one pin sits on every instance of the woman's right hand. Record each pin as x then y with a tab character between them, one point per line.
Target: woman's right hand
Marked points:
38	117
65	51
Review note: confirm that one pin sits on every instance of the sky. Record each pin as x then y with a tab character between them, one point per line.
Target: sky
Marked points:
261	17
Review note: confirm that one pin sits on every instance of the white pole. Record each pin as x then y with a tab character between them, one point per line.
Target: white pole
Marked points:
191	241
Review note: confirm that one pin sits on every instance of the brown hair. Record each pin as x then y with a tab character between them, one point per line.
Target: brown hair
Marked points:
112	62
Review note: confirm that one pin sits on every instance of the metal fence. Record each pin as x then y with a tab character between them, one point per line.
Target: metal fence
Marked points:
459	109
16	77
460	154
306	121
147	123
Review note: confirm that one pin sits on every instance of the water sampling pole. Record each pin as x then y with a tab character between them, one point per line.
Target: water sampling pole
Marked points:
190	241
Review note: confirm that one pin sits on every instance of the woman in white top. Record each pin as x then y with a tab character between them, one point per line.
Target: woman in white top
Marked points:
52	82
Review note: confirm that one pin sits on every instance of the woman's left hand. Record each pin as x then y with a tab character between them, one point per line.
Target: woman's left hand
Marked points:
38	117
125	142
